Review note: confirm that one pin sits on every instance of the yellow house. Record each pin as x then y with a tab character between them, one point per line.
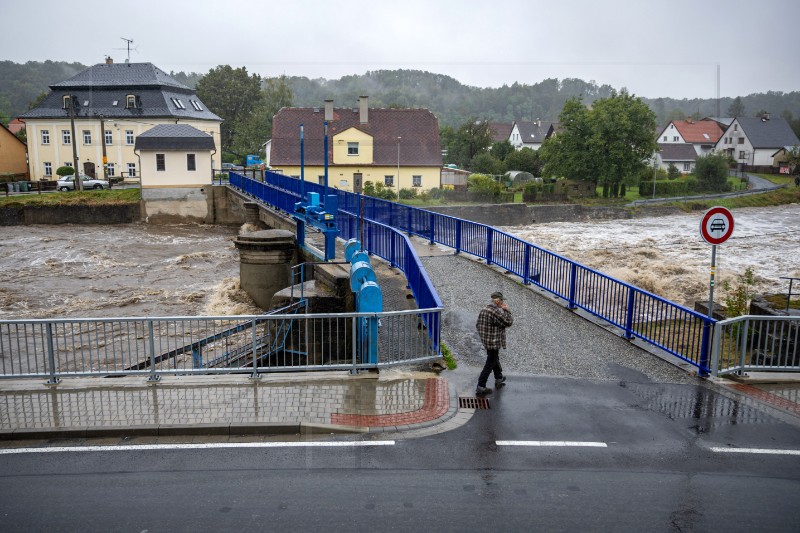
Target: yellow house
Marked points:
112	105
12	154
396	147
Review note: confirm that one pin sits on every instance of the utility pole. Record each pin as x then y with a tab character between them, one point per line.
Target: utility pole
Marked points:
77	183
398	168
105	159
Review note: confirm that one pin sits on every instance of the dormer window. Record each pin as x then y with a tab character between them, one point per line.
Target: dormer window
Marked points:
66	102
130	101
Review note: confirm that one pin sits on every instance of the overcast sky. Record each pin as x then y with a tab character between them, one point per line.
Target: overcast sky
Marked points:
653	48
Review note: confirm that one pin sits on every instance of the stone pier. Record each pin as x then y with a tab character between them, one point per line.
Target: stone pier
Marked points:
265	261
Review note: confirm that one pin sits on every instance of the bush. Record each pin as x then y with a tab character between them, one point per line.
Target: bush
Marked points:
408	194
712	173
483	187
668	188
65	171
673	172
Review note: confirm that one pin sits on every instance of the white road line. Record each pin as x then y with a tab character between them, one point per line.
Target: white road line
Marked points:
562	443
206	446
766	451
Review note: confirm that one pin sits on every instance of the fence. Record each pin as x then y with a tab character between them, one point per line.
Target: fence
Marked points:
207	345
673	328
756	344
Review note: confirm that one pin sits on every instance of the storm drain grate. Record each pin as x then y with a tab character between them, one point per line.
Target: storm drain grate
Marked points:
473	403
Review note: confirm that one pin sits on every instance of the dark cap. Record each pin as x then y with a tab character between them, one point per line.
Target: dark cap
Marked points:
497	296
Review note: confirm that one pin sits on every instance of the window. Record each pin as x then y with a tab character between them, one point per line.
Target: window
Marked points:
161	165
66	136
130	101
65	102
178	104
196	105
129	137
416	181
68	164
131	169
741	154
87	137
115	103
735	127
665	138
388	181
741	140
321	180
686	167
111	169
675	138
672	126
352	148
109	138
190	162
45	136
48	169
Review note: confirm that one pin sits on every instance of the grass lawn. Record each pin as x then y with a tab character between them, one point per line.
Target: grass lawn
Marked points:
104	197
777	179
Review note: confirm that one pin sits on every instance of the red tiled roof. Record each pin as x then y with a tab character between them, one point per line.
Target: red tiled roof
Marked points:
703	131
418	130
501	131
15	125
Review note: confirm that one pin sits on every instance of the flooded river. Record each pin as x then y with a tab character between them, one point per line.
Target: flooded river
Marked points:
120	270
142	270
667	255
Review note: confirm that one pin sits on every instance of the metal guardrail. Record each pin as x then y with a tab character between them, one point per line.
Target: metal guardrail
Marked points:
56	348
640	314
756	344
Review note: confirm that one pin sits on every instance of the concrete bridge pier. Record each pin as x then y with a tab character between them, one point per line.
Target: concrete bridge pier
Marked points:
265	261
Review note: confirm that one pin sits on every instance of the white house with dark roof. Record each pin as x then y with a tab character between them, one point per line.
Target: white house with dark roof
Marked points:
176	172
682	155
530	134
754	141
113	105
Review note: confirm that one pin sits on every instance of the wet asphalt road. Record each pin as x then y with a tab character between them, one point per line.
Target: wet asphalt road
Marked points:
656	471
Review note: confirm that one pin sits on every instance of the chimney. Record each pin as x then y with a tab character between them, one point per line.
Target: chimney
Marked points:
765	117
538	123
109	61
329	110
363	108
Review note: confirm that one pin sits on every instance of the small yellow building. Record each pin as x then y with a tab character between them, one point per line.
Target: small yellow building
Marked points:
398	148
112	105
12	154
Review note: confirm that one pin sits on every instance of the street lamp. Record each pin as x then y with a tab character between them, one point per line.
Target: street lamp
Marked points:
398	168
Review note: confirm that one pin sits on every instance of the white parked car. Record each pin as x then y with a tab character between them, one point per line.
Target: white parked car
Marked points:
67	183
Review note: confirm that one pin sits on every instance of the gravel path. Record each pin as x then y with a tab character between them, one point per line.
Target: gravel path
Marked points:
546	339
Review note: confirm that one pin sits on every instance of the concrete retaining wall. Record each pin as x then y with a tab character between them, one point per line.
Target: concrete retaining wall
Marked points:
69	214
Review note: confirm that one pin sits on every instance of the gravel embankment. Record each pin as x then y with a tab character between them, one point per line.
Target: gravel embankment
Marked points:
546	339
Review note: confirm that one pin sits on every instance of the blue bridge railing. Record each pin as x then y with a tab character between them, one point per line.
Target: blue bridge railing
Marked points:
640	314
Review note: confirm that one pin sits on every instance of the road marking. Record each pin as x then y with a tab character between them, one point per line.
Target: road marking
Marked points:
766	451
133	447
562	443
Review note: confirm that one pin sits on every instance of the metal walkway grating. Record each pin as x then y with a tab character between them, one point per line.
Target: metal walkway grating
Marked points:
473	403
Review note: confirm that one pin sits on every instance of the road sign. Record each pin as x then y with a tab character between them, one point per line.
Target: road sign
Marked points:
717	225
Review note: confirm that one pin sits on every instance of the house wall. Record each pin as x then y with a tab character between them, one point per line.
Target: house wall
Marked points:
175	173
119	152
738	143
12	154
671	135
514	138
365	148
341	177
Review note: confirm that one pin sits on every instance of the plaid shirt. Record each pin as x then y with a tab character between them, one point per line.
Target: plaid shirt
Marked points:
491	326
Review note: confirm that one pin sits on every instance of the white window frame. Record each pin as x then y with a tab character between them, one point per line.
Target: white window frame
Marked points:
416	181
45	137
66	137
687	167
130	101
129	137
109	137
131	166
68	164
87	137
110	169
352	148
48	169
388	180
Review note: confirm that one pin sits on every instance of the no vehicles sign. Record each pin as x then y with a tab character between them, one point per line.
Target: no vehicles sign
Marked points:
717	225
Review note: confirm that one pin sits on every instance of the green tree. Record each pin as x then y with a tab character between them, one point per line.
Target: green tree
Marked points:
712	173
607	144
232	94
65	171
736	109
483	186
486	163
501	149
470	139
526	160
673	172
254	128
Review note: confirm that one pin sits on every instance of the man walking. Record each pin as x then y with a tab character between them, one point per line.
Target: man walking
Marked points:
492	323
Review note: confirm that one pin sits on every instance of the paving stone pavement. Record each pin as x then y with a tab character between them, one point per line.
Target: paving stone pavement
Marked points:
331	402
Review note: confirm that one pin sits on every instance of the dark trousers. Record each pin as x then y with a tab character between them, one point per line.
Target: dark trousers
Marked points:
492	365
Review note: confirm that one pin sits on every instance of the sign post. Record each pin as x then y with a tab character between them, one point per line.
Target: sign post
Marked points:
716	227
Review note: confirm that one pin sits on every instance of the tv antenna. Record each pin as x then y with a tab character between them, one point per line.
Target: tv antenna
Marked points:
128	43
